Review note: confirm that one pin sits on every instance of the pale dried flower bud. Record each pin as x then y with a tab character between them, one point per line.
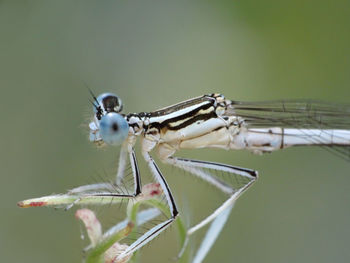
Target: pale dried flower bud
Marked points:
150	191
92	224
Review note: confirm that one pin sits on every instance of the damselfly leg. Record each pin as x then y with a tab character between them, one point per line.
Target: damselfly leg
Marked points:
204	170
99	190
156	230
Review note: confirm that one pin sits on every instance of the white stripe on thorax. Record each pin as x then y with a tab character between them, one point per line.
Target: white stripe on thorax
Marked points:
160	119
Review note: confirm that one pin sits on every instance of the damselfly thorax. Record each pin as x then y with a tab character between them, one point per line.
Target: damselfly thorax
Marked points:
195	123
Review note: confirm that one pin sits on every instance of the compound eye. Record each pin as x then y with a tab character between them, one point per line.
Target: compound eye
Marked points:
114	128
109	102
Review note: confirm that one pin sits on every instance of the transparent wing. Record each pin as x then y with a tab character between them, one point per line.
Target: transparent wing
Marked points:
293	114
299	114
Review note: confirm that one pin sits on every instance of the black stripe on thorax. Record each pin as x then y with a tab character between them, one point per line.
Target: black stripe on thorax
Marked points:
191	116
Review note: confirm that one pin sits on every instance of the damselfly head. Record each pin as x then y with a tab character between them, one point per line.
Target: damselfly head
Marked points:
109	126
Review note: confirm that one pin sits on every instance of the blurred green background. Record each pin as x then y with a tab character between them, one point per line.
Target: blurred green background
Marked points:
153	54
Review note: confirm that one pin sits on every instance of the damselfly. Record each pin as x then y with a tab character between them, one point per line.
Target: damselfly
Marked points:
211	121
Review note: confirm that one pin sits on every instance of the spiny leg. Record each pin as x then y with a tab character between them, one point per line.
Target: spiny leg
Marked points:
81	191
156	230
136	176
195	167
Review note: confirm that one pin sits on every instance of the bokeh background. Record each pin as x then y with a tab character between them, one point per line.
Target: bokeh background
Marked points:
153	54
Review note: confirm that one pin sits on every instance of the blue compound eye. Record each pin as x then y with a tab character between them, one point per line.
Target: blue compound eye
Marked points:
114	128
